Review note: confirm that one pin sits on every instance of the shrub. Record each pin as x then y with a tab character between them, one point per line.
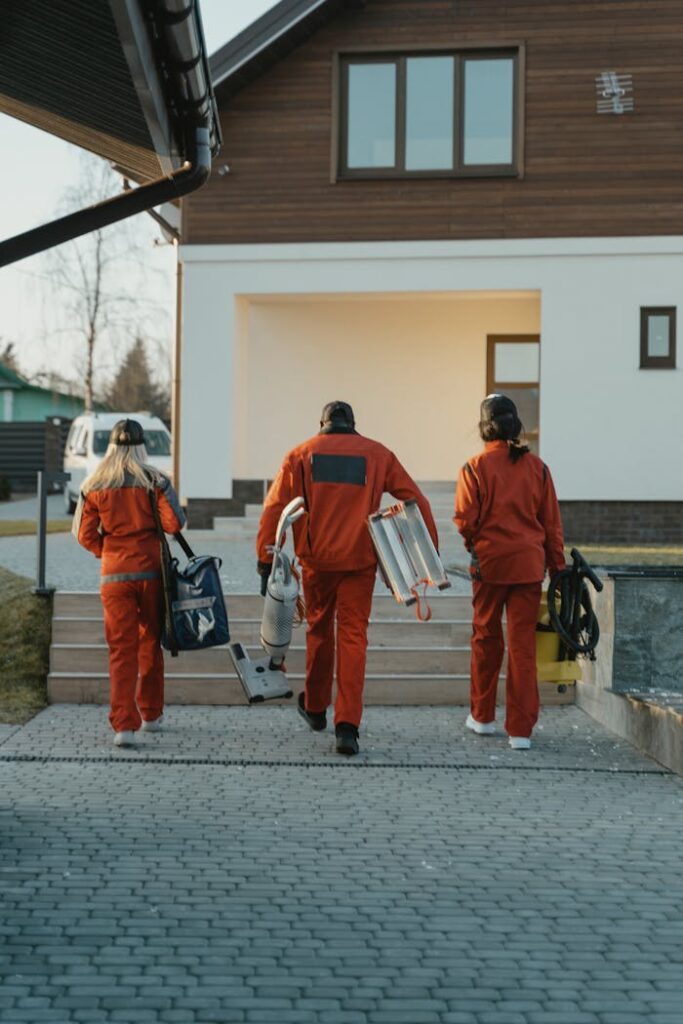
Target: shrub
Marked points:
5	489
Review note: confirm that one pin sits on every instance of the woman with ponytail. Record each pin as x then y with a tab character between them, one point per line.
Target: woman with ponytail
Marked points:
507	512
115	520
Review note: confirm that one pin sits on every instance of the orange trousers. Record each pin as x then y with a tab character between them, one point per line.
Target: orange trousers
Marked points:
348	597
132	628
521	602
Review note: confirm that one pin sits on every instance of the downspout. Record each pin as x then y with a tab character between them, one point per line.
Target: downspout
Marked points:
188	178
175	383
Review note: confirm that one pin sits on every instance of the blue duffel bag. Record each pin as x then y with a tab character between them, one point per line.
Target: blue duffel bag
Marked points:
195	616
198	615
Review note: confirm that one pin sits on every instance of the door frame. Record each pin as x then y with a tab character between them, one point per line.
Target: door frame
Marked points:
497	385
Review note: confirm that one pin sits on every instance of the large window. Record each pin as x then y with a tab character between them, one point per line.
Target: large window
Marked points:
429	115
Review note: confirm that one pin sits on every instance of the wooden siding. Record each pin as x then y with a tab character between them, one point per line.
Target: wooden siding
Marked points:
584	174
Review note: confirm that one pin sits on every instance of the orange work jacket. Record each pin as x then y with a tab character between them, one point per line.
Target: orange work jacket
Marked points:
509	517
117	525
341	477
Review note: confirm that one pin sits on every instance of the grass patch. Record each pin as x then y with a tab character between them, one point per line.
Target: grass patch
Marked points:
26	527
627	554
25	623
607	555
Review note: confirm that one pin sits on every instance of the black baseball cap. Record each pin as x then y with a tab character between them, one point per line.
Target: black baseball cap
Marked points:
339	412
127	433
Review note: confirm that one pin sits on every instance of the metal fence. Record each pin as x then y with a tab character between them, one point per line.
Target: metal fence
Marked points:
27	448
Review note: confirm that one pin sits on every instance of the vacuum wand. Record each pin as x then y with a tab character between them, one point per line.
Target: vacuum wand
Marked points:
263	678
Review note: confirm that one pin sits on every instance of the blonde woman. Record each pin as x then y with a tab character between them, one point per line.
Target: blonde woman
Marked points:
114	520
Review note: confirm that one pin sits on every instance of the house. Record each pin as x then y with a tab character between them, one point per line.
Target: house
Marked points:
423	201
21	402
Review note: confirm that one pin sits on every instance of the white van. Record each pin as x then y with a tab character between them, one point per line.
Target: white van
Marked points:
87	443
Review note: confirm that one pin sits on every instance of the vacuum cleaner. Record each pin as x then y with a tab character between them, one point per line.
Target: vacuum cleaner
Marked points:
264	678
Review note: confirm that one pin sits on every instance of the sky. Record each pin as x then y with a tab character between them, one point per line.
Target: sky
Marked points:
36	170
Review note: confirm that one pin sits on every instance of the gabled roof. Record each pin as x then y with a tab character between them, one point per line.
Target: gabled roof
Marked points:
10	379
269	38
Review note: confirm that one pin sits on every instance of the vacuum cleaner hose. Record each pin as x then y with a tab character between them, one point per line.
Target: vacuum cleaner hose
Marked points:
570	608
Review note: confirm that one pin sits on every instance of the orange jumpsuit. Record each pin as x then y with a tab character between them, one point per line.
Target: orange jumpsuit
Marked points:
509	518
341	476
117	525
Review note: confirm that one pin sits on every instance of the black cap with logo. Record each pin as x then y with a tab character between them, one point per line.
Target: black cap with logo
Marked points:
127	433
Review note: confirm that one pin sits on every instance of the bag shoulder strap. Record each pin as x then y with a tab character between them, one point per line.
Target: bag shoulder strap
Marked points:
160	530
166	577
184	545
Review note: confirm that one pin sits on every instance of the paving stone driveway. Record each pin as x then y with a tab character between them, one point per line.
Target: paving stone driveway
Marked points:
236	870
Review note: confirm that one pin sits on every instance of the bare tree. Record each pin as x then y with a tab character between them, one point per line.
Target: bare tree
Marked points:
8	355
101	279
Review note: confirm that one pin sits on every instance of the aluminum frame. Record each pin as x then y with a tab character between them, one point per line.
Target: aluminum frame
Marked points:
405	551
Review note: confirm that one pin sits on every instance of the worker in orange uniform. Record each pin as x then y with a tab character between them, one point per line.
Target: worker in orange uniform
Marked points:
507	512
341	476
114	520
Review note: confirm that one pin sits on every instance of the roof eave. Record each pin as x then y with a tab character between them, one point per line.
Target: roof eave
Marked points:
144	72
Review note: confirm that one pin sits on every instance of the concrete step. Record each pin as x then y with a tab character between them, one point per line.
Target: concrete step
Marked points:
444	606
93	688
382	633
93	658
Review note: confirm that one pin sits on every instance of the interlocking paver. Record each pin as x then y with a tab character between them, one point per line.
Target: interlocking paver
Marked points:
308	890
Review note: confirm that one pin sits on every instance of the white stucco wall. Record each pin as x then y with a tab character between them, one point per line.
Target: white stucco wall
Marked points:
608	429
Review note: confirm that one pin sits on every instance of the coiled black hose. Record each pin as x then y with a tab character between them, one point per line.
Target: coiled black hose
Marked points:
570	608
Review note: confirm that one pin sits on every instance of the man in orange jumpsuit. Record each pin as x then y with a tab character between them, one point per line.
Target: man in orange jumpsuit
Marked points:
507	512
341	477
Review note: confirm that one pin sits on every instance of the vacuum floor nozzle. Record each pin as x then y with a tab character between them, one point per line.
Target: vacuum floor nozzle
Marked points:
259	680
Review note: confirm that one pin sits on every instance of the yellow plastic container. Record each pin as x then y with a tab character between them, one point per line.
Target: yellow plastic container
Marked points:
549	668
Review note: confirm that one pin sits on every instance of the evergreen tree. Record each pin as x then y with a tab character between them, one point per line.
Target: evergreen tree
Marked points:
133	389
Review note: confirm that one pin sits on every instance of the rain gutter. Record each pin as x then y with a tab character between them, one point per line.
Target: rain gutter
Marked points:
189	177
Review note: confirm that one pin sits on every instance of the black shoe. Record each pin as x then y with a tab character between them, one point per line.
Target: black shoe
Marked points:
317	720
347	738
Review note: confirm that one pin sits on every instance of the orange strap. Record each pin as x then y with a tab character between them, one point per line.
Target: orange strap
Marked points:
300	606
419	599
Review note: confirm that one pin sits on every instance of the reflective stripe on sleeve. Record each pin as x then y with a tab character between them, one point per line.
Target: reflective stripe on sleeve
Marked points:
125	577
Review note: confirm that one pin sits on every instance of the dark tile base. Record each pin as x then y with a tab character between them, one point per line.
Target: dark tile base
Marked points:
201	511
623	522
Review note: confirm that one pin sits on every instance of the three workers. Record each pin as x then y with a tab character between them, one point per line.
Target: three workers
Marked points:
506	510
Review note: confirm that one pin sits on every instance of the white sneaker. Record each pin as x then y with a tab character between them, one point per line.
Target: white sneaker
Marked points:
124	739
520	742
481	728
156	725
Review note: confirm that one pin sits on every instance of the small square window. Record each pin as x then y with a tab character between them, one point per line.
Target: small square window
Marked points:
658	337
